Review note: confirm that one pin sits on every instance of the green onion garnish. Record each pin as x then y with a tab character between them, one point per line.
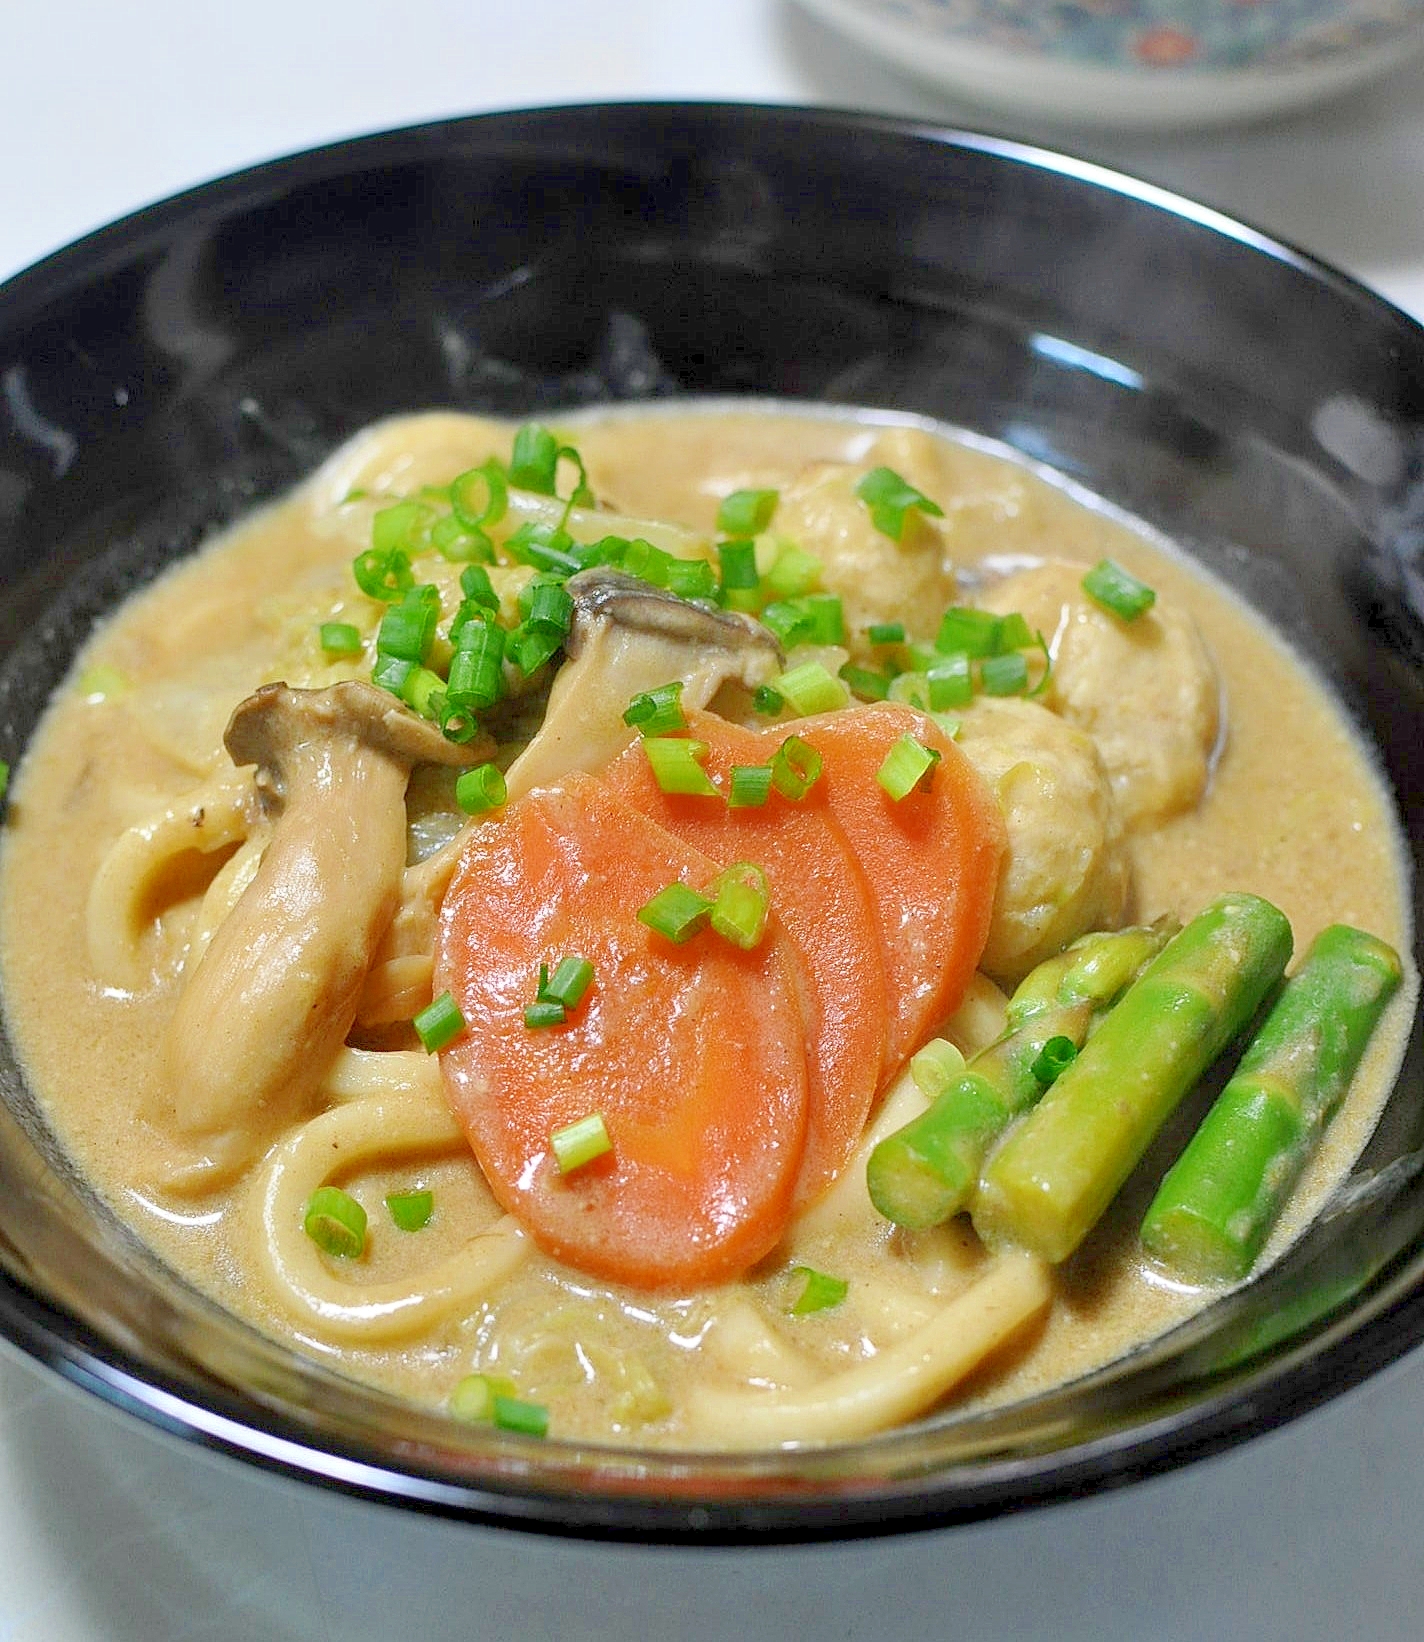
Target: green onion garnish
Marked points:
514	1414
480	789
391	673
476	678
677	766
339	638
411	1211
648	562
746	512
970	632
691	579
738	565
534	461
1004	675
477	587
473	1398
767	701
1118	590
750	786
404	526
335	1222
676	912
935	1067
891	499
796	768
741	903
408	629
423	690
657	712
809	689
907	765
1014	632
529	646
544	1012
581	1142
793	572
886	632
950	682
438	1023
1056	1056
864	682
4	777
546	602
819	1293
480	497
546	547
568	983
383	576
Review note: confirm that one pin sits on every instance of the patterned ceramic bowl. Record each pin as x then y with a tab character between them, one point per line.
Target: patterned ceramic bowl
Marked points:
1138	63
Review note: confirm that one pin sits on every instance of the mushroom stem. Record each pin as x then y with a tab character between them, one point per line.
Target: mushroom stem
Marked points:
273	996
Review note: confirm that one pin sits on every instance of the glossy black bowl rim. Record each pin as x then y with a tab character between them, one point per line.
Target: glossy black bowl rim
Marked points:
1284	1382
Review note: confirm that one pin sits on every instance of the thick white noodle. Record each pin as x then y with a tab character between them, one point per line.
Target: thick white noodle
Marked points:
212	817
898	1384
379	1127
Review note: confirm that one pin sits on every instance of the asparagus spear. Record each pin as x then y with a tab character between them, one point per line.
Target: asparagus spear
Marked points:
925	1171
1215	1208
1056	1173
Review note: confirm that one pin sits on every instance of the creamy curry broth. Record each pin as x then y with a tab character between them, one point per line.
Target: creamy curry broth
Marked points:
1294	811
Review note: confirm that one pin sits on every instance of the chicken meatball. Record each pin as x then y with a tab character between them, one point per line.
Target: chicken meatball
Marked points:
1145	691
1066	870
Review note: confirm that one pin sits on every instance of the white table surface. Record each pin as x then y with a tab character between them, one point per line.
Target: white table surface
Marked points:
109	1534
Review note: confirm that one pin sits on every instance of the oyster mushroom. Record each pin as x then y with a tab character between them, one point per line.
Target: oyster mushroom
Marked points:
628	636
274	994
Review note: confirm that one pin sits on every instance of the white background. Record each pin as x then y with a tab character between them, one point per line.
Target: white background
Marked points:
108	1534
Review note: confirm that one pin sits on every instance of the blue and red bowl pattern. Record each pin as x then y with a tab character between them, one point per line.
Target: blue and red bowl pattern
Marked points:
1168	34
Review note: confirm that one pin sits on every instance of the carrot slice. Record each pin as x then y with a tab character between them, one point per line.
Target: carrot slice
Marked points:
695	1055
823	901
931	860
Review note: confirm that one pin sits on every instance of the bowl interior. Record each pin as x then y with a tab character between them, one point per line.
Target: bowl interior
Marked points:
169	372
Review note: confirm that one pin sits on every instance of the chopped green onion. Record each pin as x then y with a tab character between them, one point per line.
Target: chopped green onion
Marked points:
4	777
407	629
423	690
480	789
1118	590
738	565
746	512
819	1293
793	572
546	602
546	547
676	912
383	576
1004	675
911	688
1014	632
514	1414
967	631
480	497
411	1211
476	677
335	1222
534	461
568	983
392	673
649	563
438	1023
404	526
529	646
950	683
890	499
656	712
886	632
473	1398
790	620
476	585
458	543
796	768
580	1143
1041	643
907	765
767	701
1056	1056
935	1067
544	1012
809	689
741	904
865	682
750	786
691	578
677	766
339	638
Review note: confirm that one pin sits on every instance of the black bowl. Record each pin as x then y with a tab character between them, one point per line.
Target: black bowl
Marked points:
166	373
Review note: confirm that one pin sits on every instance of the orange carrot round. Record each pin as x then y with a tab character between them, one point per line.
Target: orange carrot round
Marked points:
931	860
823	901
695	1055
